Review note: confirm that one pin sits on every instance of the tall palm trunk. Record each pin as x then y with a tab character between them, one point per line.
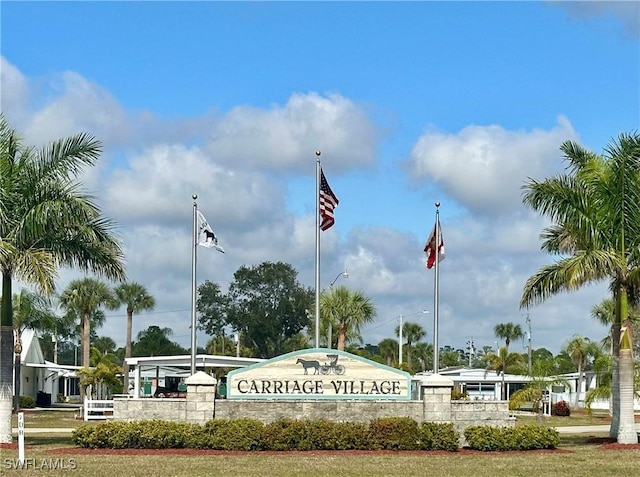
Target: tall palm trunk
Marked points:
86	338
615	381
342	332
6	383
17	367
627	432
6	360
127	351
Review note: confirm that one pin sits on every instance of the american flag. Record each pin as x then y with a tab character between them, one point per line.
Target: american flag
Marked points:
328	201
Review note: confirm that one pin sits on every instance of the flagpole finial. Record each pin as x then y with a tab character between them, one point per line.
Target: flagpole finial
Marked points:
318	153
194	196
437	204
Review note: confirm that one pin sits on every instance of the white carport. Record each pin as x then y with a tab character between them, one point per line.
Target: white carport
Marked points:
203	361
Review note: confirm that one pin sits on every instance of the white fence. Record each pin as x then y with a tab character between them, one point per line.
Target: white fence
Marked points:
97	409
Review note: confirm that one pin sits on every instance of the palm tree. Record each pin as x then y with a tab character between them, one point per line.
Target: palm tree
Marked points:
348	310
542	371
46	221
508	332
85	297
154	341
595	214
605	313
412	332
387	349
136	298
423	352
580	349
503	362
30	310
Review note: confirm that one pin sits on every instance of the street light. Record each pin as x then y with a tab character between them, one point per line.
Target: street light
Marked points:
344	274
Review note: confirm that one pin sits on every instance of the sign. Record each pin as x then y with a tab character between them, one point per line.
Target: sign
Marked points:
319	373
20	437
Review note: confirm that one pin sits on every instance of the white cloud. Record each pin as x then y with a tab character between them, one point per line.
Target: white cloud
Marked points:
626	12
484	167
242	165
15	93
284	137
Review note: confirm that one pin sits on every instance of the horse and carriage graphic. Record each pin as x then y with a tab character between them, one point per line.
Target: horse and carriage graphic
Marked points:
327	368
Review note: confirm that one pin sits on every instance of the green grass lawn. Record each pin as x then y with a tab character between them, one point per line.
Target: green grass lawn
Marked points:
575	457
49	418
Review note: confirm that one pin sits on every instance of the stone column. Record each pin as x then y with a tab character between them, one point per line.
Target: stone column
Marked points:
435	391
201	391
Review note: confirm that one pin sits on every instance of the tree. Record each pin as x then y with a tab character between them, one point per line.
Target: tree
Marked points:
604	312
84	297
46	221
387	348
268	306
508	332
348	310
580	349
212	307
423	352
412	332
102	376
542	371
504	362
136	298
595	214
450	357
30	310
104	345
154	341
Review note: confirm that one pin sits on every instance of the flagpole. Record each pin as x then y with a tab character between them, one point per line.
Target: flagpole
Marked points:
436	354
194	258
317	278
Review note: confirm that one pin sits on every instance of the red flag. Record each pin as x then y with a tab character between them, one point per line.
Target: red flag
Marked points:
430	246
328	201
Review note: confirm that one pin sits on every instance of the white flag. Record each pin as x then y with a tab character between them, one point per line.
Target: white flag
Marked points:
206	237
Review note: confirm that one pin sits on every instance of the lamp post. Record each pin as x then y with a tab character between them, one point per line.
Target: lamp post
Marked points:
343	274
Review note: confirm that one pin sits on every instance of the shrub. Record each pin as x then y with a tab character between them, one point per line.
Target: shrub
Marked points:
561	408
285	434
394	433
239	434
439	436
27	402
489	438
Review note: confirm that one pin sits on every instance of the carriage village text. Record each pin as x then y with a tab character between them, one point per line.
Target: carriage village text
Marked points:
318	387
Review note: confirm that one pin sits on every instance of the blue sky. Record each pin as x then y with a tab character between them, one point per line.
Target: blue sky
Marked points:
410	103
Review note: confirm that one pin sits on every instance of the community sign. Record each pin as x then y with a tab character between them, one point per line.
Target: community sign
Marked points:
319	373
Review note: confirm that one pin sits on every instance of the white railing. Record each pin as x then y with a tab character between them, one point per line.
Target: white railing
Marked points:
95	409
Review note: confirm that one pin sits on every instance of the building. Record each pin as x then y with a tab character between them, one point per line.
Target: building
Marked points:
44	381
